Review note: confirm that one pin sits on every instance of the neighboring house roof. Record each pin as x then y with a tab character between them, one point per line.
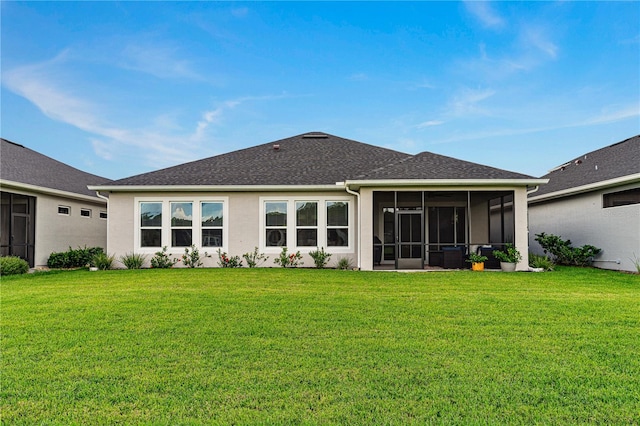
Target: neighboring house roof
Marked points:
311	159
24	166
615	164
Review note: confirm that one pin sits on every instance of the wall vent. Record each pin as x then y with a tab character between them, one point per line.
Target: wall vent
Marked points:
315	136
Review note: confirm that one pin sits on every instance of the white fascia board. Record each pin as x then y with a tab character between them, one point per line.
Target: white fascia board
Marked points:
586	188
211	188
49	191
446	182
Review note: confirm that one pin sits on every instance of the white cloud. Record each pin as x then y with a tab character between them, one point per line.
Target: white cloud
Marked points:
538	38
161	62
466	102
429	123
484	13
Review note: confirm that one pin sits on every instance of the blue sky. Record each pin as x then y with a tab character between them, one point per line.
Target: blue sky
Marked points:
121	88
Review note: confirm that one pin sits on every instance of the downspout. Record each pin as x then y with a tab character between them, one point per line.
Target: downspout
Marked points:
357	195
108	216
537	187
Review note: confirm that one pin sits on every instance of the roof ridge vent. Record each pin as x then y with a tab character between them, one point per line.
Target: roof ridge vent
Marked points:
315	136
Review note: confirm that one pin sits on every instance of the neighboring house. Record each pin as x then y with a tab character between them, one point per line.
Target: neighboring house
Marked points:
378	207
46	206
594	199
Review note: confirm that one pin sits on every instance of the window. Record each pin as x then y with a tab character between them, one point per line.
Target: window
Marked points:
212	222
85	212
337	224
621	198
181	224
150	224
64	210
307	224
275	223
103	215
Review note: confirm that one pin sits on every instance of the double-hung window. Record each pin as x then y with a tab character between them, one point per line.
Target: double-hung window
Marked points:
181	224
337	224
306	223
275	223
150	224
212	214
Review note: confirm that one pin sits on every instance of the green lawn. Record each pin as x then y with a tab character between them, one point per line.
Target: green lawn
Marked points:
274	346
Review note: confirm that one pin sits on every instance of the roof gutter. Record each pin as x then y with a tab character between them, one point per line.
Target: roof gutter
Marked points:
586	188
445	182
48	191
211	188
357	195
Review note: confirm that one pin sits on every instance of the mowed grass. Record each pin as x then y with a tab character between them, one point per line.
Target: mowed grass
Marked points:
274	346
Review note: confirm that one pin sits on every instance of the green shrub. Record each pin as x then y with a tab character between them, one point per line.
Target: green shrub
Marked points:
343	263
13	265
133	260
320	257
288	260
161	259
191	257
225	261
564	253
539	261
103	261
71	258
254	258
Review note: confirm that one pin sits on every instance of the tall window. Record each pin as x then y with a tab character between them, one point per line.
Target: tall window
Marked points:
181	224
337	224
212	222
307	224
275	223
150	224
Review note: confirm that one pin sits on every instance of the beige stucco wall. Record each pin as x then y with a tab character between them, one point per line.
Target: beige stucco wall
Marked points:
56	233
583	220
242	223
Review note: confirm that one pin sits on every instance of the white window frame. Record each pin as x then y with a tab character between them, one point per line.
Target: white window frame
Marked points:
106	215
172	227
68	213
196	227
322	223
85	215
139	227
225	219
295	219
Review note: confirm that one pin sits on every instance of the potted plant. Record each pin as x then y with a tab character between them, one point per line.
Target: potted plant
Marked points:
509	258
477	261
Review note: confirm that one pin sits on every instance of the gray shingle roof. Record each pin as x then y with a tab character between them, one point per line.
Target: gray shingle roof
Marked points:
614	161
314	159
427	165
23	165
298	160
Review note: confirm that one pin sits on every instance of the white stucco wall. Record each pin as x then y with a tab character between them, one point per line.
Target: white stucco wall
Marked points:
583	220
242	223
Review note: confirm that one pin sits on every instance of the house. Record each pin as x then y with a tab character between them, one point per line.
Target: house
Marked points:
594	199
378	207
46	206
